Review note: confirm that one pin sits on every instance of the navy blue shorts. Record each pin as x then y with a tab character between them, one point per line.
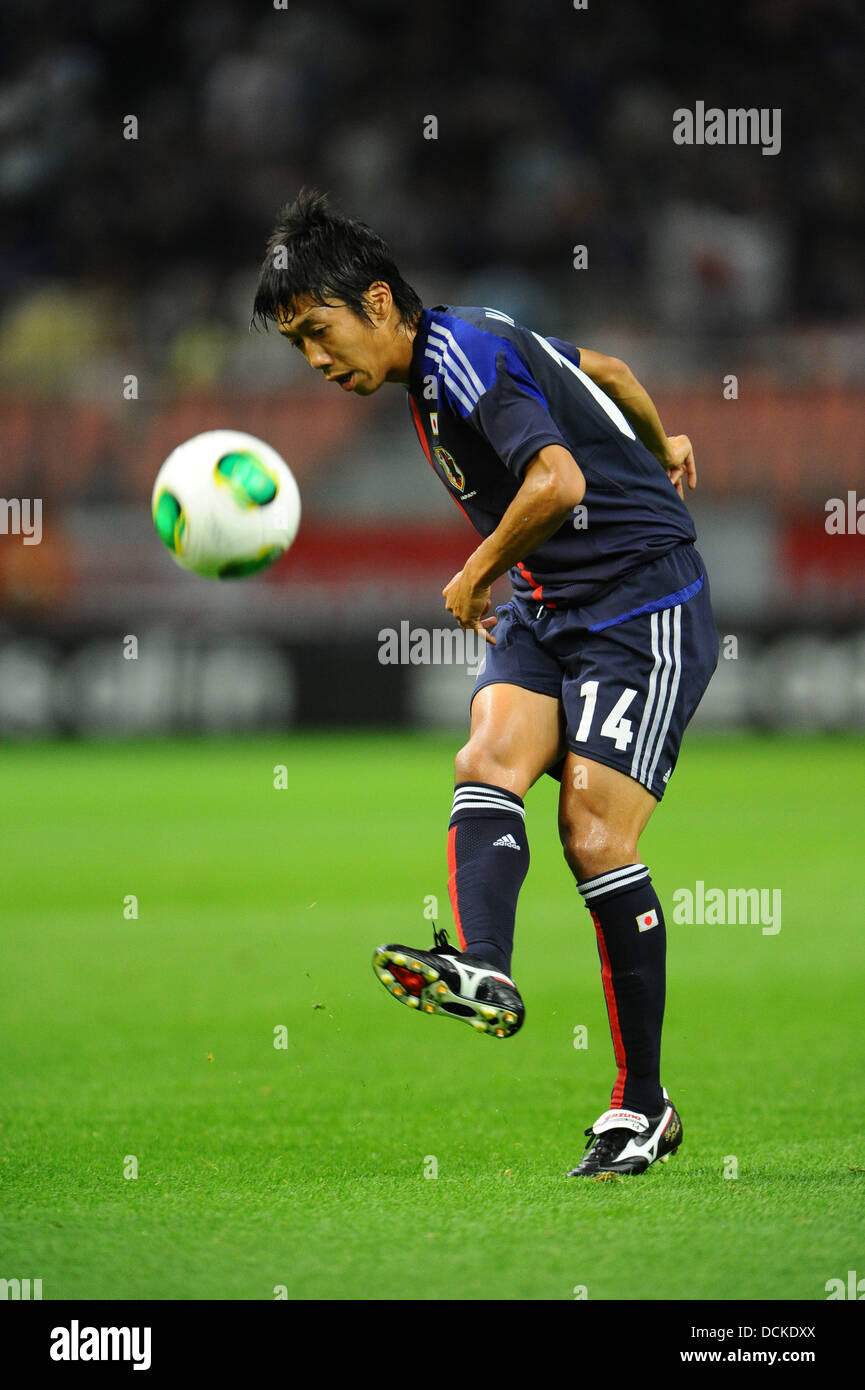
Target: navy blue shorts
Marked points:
629	672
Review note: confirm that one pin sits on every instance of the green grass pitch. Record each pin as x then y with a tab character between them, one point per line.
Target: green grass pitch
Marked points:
302	1167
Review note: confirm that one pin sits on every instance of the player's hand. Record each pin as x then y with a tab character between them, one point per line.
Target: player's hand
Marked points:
468	604
679	462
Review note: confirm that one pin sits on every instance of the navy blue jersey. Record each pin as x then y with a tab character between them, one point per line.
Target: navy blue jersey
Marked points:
486	394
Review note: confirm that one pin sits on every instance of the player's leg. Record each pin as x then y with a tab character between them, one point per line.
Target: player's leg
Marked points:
602	814
627	702
517	730
516	734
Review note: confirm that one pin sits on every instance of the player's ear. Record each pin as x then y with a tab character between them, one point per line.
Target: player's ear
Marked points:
379	301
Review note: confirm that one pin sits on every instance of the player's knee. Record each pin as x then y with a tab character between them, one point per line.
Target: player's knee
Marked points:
592	846
481	761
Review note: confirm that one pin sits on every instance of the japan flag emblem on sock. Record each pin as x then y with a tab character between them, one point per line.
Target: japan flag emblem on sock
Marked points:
647	920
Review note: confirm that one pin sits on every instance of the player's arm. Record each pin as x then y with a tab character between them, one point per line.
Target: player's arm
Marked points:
617	380
553	484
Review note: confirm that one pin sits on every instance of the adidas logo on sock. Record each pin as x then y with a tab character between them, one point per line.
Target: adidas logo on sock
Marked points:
508	841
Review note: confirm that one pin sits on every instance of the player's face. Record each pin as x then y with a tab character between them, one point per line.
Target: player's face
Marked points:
337	342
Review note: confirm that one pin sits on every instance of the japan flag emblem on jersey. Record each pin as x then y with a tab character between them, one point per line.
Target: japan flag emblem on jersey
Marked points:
647	920
455	475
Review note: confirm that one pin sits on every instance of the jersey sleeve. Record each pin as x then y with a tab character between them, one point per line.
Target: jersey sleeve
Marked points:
566	349
497	395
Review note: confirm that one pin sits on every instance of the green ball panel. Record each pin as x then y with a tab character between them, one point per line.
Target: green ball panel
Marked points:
238	569
249	478
169	521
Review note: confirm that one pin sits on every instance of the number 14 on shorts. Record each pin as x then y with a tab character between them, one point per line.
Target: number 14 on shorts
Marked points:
615	726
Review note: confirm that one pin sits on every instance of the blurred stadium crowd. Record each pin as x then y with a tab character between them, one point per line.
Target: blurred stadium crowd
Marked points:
554	129
145	148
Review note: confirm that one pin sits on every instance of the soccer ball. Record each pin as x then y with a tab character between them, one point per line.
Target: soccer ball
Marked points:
225	504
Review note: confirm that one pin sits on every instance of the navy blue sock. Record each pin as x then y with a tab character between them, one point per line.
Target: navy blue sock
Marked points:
632	945
488	858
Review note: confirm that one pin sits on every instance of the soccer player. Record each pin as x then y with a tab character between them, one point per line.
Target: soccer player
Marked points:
592	670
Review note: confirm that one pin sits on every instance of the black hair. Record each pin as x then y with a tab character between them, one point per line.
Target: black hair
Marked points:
316	252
